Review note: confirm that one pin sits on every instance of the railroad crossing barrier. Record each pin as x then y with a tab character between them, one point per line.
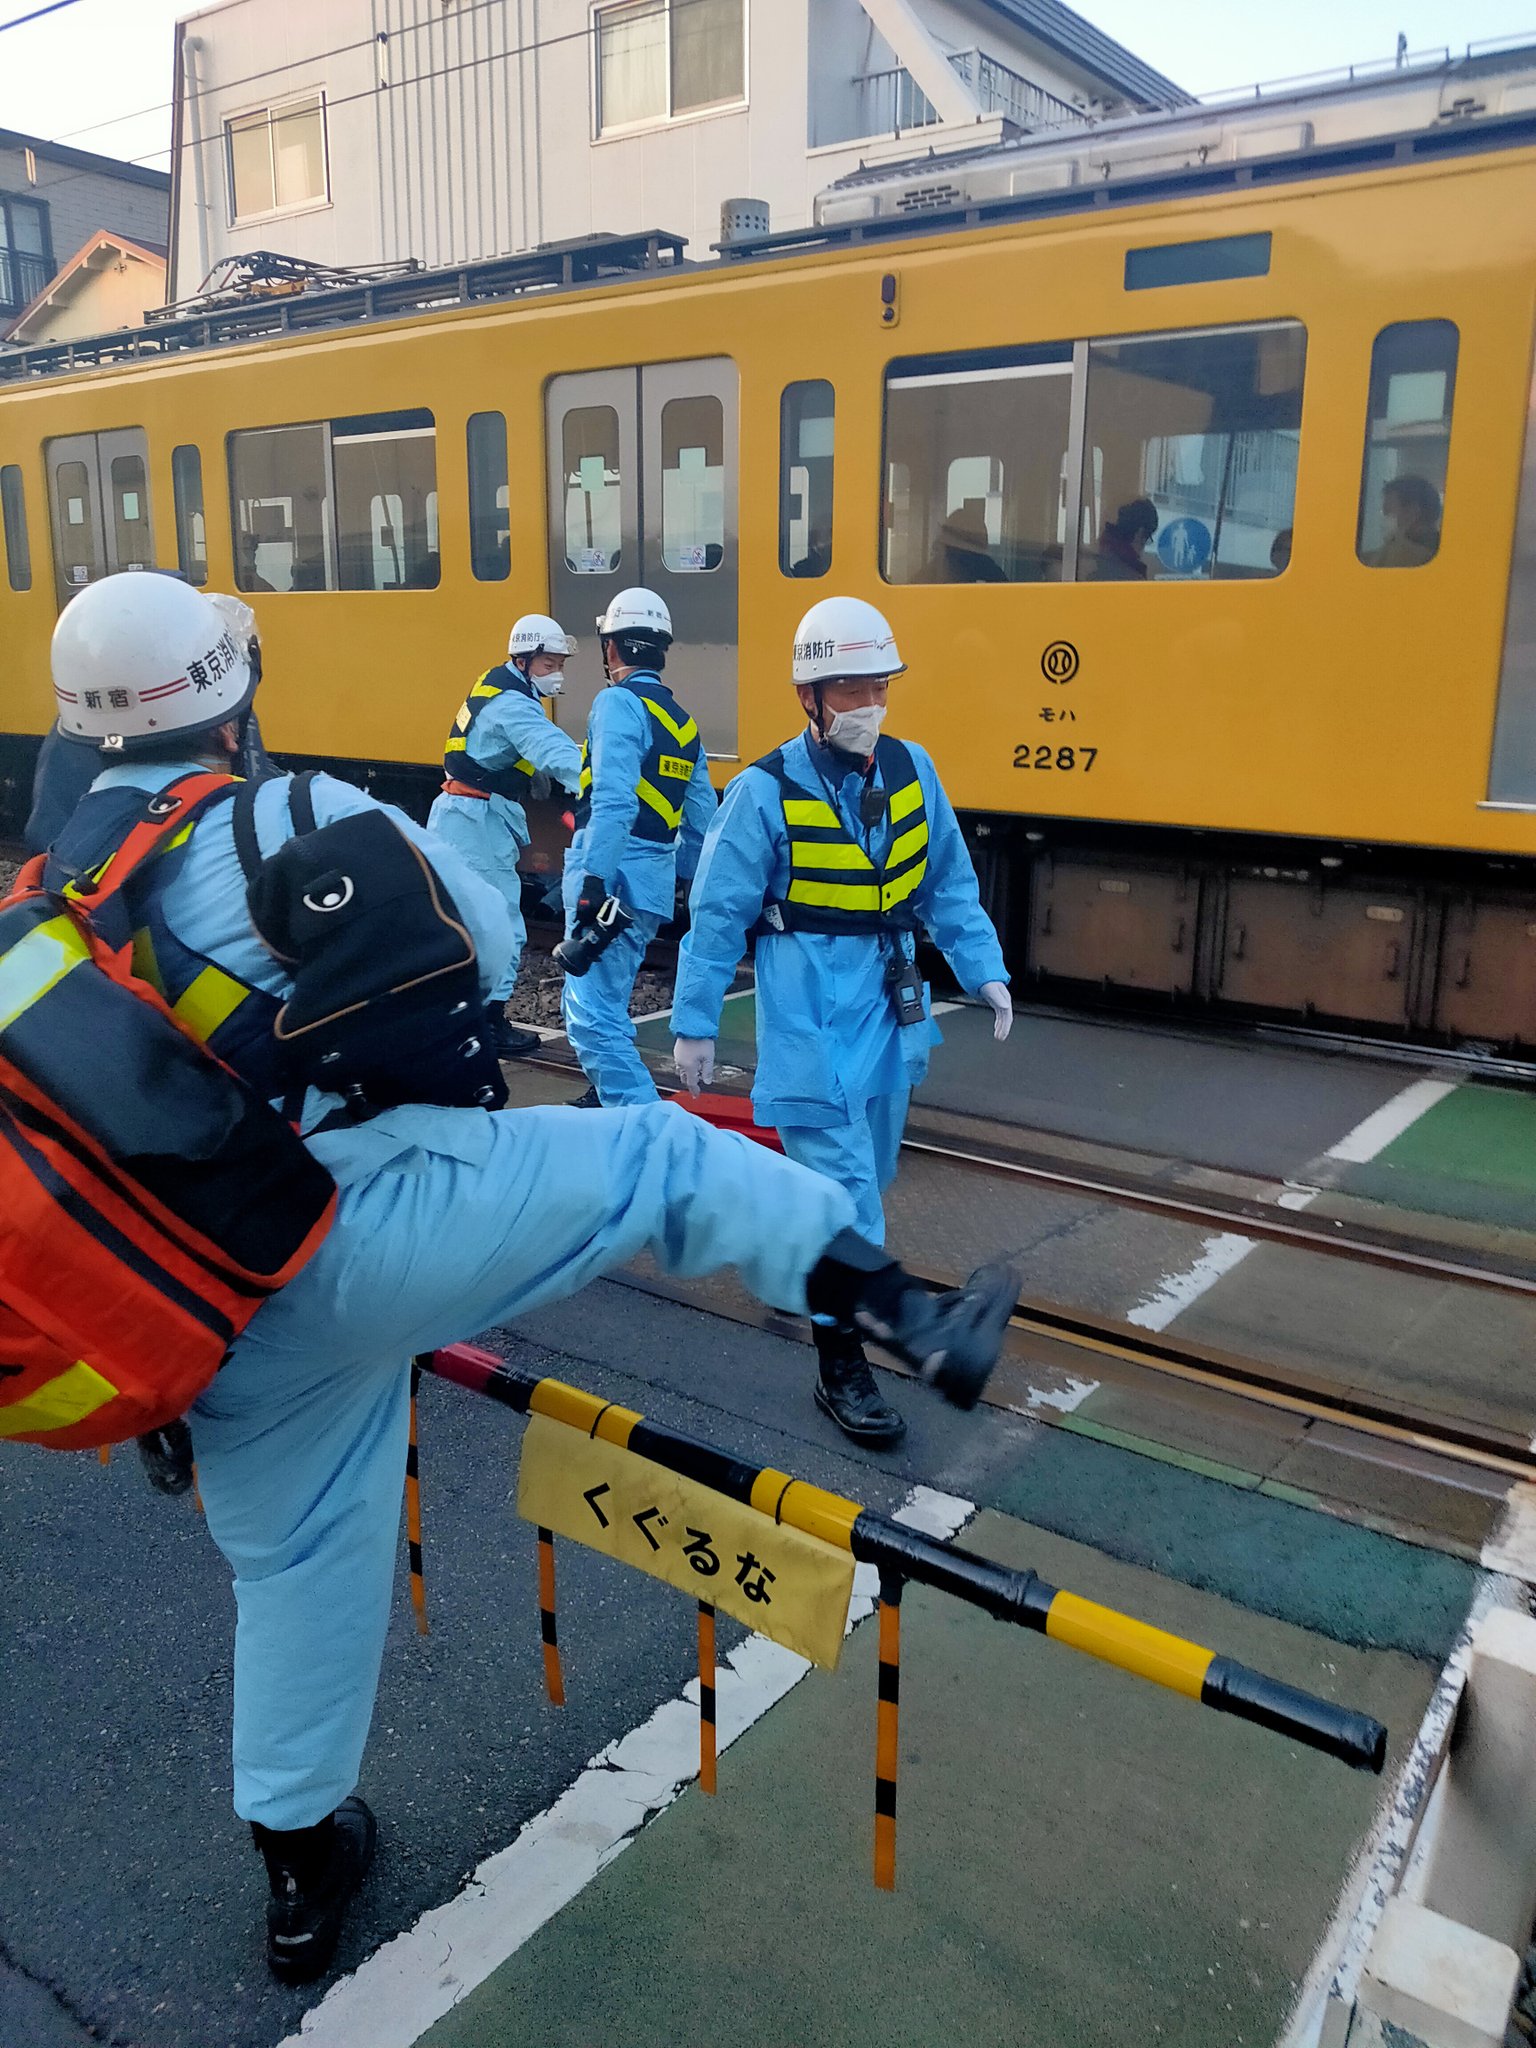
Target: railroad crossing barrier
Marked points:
685	1512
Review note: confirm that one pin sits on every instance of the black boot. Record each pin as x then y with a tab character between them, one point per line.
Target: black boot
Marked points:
952	1338
313	1872
846	1389
509	1041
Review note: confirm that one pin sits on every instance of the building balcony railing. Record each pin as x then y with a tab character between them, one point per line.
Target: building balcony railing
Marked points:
893	101
21	279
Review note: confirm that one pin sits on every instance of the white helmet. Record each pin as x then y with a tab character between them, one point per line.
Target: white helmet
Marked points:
841	637
537	633
141	657
636	611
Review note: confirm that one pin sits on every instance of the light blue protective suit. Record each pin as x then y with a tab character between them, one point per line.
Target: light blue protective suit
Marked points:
450	1221
645	874
490	832
834	1068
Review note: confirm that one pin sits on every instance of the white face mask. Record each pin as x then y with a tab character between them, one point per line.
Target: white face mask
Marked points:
548	686
855	732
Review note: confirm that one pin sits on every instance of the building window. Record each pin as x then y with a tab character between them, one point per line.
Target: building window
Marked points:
975	454
1190	455
805	479
348	504
13	514
191	526
277	158
1407	444
490	538
657	59
26	258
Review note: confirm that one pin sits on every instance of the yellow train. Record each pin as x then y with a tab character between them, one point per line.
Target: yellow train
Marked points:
1278	757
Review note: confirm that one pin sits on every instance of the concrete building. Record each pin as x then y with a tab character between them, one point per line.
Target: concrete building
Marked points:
53	200
370	131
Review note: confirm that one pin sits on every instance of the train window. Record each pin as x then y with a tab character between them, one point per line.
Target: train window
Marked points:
347	504
490	536
1190	453
805	478
129	497
1512	768
79	542
975	447
386	491
1407	441
13	515
590	440
191	524
692	485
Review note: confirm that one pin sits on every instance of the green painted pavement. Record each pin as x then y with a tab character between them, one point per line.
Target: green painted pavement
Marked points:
1082	1858
736	1045
1224	1536
1473	1155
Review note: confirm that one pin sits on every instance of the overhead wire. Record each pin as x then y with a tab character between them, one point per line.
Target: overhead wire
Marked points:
20	20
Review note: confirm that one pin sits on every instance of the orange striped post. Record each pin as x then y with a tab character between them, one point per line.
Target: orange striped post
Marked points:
554	1678
413	1514
104	1455
886	1708
706	1698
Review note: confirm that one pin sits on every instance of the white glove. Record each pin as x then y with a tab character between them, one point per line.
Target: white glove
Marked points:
694	1059
997	999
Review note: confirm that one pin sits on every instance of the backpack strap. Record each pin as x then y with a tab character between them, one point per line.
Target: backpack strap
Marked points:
166	815
301	811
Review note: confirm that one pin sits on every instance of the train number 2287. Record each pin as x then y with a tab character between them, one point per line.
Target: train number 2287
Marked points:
1027	755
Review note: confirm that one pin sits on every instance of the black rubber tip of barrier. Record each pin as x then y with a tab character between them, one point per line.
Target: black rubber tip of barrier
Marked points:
1353	1738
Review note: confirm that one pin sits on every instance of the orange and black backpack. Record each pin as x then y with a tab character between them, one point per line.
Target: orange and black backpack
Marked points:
150	1199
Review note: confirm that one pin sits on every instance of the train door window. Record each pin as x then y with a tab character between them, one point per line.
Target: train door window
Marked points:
974	448
805	478
692	485
385	467
279	479
1190	448
490	535
191	523
74	504
129	500
1407	442
13	516
593	491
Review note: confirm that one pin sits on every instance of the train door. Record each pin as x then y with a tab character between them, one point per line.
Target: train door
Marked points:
98	503
643	489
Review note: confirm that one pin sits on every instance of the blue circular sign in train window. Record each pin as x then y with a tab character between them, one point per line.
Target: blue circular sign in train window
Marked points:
1184	546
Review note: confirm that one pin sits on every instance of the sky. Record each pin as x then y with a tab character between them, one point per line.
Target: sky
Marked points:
98	72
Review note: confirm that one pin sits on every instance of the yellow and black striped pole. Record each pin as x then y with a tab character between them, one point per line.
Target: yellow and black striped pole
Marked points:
706	1697
104	1455
1021	1597
554	1677
887	1710
413	1514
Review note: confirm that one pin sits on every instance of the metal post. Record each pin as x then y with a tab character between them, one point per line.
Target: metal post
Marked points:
554	1678
706	1698
886	1713
413	1514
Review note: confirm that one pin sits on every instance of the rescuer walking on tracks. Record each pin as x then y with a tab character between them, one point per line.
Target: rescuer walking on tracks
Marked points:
645	802
447	1221
502	750
827	855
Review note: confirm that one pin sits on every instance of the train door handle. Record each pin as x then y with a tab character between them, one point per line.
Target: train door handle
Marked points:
1178	936
1464	972
1394	960
1046	922
1240	943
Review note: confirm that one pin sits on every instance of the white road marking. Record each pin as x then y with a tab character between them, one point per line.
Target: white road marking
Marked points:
1218	1255
1511	1545
406	1987
1378	1130
1063	1399
1319	2017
